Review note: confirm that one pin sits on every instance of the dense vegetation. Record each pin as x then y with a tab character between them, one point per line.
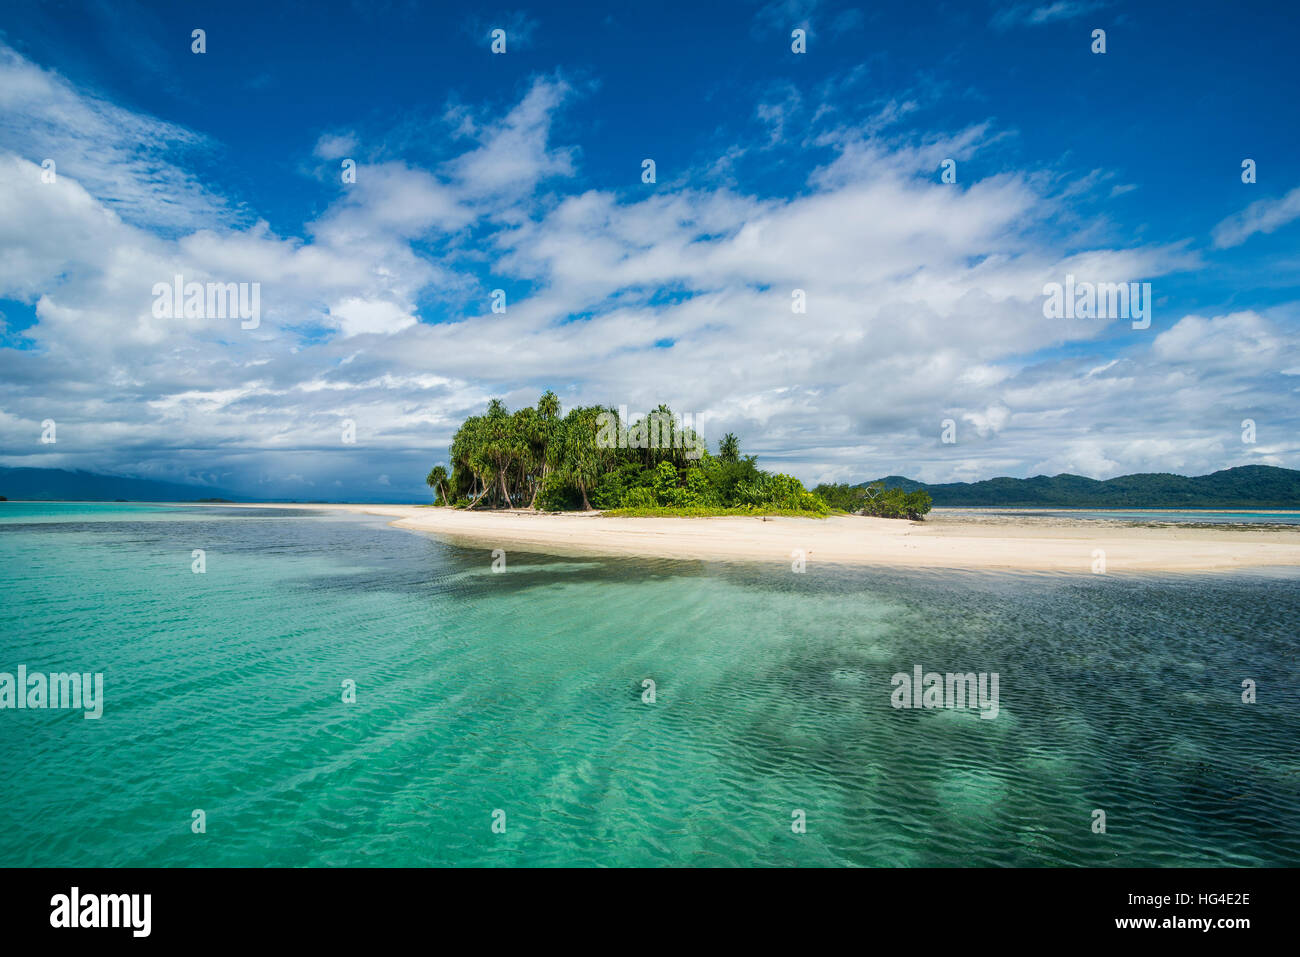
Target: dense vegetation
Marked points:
1246	486
536	458
589	458
875	499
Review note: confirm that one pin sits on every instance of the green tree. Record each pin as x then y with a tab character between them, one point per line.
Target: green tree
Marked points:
502	446
665	484
583	459
437	480
541	437
467	479
567	462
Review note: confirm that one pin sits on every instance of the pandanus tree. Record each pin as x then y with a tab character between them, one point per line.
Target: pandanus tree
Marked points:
437	480
661	437
505	457
542	437
468	479
653	436
502	447
583	458
526	474
536	456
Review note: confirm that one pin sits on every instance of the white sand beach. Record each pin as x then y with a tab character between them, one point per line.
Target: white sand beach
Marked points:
943	541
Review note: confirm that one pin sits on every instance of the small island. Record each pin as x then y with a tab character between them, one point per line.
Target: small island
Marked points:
654	465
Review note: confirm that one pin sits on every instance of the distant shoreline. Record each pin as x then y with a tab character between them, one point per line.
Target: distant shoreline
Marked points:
946	541
938	509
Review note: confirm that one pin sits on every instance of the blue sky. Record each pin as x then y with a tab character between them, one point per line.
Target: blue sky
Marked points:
775	171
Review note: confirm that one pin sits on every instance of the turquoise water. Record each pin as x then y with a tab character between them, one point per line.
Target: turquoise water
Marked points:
1152	515
522	692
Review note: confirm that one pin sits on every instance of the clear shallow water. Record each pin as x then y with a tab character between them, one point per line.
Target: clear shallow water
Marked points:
522	691
1144	515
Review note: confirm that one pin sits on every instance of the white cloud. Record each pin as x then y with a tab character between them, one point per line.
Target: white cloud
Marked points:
1262	216
379	317
513	154
924	303
131	163
1031	15
335	145
1242	340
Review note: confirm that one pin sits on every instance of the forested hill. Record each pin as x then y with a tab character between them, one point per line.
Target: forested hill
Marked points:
1247	486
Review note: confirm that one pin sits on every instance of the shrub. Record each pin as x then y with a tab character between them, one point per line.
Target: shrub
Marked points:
639	498
558	495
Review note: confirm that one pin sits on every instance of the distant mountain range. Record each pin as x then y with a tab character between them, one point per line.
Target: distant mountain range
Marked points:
1247	486
28	484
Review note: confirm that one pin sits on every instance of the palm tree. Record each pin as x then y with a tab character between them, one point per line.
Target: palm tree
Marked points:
543	437
469	468
530	434
501	446
729	448
437	477
583	460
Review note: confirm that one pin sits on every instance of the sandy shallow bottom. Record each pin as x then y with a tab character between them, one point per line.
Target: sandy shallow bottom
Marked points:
943	541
